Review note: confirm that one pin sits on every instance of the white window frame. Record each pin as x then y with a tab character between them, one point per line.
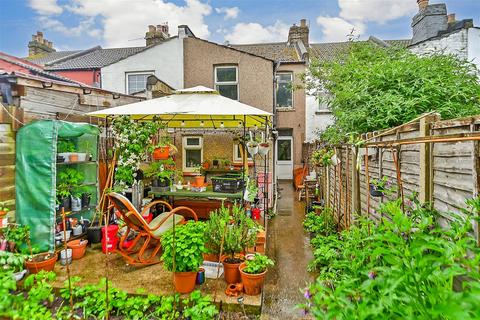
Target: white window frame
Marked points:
217	83
236	150
135	73
185	147
276	89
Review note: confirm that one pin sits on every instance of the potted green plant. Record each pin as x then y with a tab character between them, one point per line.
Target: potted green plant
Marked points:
68	183
15	236
13	262
163	149
253	273
214	227
381	187
160	175
63	197
187	258
240	233
65	148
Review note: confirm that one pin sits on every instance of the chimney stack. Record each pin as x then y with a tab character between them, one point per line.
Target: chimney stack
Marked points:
429	21
451	18
156	34
422	4
299	33
38	45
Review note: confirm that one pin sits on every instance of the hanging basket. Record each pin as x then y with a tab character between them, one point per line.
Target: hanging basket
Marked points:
263	148
252	148
161	153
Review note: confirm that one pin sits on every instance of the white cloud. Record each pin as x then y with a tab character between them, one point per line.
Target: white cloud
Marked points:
124	22
45	7
380	11
337	29
85	26
255	32
355	14
230	13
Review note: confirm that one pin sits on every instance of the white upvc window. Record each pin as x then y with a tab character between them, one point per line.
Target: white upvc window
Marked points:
136	81
226	81
192	153
284	92
237	156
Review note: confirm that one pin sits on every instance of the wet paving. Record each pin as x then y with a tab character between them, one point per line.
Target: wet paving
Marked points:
288	245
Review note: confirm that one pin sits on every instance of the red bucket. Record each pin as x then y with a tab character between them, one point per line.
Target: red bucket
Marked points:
256	214
110	238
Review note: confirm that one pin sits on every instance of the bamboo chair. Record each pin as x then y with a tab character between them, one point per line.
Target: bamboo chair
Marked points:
150	233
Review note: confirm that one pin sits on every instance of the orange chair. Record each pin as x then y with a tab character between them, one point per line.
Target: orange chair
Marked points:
299	175
150	233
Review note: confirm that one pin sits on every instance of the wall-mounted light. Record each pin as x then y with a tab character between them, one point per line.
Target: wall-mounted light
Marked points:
47	84
87	90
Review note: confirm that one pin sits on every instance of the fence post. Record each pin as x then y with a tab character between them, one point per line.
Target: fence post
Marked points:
356	206
426	159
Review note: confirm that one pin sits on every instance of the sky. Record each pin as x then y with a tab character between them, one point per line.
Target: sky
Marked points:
81	24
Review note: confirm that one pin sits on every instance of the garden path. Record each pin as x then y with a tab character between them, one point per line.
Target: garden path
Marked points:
288	245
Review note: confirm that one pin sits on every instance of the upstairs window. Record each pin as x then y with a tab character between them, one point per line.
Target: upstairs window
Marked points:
137	81
226	81
284	93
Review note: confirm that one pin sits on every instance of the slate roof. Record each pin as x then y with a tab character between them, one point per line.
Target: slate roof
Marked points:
277	51
96	59
280	51
50	57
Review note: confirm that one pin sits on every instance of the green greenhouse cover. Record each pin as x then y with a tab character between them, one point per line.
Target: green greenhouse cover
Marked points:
35	175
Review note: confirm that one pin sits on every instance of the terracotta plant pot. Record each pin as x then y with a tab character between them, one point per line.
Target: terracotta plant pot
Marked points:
199	180
161	153
78	248
43	261
231	272
73	157
184	282
252	283
211	257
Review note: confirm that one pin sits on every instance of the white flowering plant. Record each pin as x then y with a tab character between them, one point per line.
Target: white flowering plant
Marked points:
132	140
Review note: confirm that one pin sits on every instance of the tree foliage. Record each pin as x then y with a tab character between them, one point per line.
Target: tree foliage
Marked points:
372	88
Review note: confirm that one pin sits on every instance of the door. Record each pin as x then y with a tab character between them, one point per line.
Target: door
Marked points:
284	161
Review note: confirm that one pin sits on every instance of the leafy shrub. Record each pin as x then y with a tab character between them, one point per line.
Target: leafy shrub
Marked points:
323	223
402	268
373	88
189	247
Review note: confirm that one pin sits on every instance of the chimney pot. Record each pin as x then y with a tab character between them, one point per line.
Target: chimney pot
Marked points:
151	28
451	18
303	22
422	4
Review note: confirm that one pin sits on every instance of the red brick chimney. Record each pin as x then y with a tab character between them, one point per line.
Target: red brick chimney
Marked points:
451	18
422	4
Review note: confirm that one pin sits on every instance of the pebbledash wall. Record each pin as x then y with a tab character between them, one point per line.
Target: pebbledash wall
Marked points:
464	43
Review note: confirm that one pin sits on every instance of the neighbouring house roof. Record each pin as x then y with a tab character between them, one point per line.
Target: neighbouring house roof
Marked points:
95	59
43	59
19	65
283	52
277	51
333	50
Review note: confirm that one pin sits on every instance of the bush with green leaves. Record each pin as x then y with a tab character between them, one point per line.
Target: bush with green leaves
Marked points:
321	223
258	264
10	261
373	88
214	229
188	241
240	232
405	267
